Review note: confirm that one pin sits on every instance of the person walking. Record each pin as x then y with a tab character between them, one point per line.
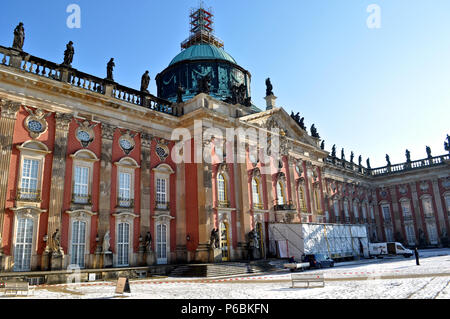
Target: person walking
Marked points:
416	253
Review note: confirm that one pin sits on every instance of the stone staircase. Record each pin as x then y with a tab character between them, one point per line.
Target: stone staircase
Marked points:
227	268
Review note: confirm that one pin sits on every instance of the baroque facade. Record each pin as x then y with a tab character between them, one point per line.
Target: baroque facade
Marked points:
88	177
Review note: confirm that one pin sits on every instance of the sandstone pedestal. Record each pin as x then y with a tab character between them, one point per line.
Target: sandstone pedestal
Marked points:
45	260
141	257
270	101
57	259
202	253
107	259
98	260
215	255
150	258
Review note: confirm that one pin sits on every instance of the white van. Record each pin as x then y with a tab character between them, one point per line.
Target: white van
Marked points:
389	249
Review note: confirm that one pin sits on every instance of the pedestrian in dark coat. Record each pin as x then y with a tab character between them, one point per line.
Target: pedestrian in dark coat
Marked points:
416	253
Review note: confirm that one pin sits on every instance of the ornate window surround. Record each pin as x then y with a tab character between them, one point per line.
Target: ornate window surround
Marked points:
124	217
84	158
126	165
34	214
163	171
34	150
84	216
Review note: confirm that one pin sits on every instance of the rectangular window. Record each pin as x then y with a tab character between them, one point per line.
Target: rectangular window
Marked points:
432	233
81	184
161	243
389	234
23	245
161	192
123	244
406	211
386	213
410	234
427	207
29	181
336	208
125	192
355	210
78	243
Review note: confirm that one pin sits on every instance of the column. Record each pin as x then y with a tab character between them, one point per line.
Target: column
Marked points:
57	189
8	117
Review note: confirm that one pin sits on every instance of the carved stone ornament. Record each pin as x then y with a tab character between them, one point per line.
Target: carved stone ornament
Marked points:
146	140
162	150
403	190
9	109
424	186
126	142
36	123
383	193
108	131
63	121
446	182
85	132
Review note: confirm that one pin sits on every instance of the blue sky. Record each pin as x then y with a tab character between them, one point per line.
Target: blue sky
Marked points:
373	91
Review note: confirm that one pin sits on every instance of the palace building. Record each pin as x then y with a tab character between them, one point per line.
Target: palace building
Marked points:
88	176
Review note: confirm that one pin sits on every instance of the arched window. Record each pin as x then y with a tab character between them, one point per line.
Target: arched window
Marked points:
281	200
302	199
256	193
317	201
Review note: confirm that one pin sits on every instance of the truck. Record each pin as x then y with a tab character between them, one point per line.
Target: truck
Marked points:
389	249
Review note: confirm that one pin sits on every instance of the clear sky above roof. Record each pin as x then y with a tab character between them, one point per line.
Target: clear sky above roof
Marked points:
373	91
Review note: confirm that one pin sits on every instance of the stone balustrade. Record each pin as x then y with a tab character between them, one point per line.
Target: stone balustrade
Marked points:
58	72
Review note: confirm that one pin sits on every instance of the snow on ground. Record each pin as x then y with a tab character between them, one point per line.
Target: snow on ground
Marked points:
371	279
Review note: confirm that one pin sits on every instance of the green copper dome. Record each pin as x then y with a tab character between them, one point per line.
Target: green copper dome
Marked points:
202	52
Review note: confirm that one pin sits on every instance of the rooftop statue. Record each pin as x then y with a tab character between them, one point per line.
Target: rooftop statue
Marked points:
352	156
333	151
180	92
145	81
19	37
68	54
322	145
408	156
203	84
428	149
368	163
269	87
388	160
109	69
447	144
314	132
342	154
359	160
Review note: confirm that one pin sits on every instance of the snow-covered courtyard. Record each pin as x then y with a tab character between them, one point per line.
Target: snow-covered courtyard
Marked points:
388	278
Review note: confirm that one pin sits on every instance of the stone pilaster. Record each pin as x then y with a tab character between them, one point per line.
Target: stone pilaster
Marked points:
7	120
58	175
104	208
145	184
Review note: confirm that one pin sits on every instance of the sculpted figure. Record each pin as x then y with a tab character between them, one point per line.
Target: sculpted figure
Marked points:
106	243
56	237
19	37
408	156
145	81
368	163
428	149
388	160
180	92
447	144
333	151
269	87
148	241
109	69
68	54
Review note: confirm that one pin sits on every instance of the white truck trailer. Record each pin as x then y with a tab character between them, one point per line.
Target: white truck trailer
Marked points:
340	242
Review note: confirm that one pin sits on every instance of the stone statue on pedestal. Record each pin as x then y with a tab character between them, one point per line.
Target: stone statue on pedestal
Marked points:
388	161
145	81
342	155
68	54
19	37
322	145
352	156
428	149
56	245
106	242
203	84
368	163
314	132
447	144
269	87
109	69
214	240
360	160
408	156
148	242
180	92
333	151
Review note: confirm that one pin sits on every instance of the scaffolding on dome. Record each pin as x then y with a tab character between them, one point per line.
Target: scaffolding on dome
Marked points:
201	29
